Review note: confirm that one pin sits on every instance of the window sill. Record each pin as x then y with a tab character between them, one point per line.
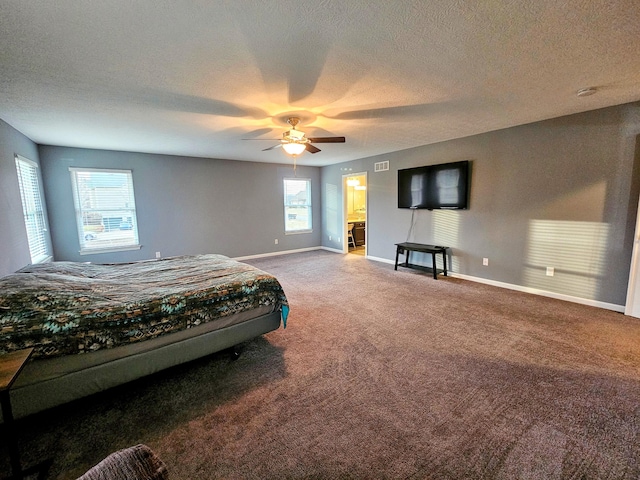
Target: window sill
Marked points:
95	251
43	259
296	232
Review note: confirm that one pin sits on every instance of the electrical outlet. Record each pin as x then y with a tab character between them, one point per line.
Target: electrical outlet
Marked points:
329	237
550	271
485	261
158	255
276	241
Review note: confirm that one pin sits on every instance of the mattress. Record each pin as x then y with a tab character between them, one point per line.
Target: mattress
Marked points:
69	308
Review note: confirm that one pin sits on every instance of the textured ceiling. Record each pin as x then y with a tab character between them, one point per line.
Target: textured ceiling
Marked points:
207	78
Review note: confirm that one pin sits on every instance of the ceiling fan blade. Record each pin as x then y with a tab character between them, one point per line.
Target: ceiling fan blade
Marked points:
311	149
277	145
327	140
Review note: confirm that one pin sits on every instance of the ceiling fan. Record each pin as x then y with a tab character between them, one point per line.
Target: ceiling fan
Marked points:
294	141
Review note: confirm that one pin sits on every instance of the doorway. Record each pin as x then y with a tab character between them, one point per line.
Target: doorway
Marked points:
632	306
354	188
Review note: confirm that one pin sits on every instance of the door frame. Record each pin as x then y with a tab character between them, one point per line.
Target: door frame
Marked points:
632	305
345	219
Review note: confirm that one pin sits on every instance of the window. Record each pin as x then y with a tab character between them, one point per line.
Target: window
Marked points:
34	215
105	210
297	205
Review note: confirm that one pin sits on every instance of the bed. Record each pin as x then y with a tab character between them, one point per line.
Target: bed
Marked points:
95	326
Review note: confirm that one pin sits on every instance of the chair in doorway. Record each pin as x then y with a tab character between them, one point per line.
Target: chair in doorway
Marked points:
352	242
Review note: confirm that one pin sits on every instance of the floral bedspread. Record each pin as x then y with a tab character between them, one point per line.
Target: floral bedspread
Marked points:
64	308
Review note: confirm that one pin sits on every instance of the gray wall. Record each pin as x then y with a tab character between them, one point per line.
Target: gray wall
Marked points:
14	247
560	193
185	205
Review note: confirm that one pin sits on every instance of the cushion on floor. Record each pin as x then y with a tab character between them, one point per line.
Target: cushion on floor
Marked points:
133	463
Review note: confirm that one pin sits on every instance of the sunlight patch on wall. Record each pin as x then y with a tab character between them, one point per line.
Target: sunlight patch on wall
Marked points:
446	227
446	231
332	208
575	250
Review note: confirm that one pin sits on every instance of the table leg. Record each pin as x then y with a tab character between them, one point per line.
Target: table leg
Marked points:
397	253
435	266
10	434
444	261
17	473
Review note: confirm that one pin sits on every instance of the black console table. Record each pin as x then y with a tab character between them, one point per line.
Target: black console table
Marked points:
407	247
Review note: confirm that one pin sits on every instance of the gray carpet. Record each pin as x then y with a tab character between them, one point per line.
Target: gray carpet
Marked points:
381	374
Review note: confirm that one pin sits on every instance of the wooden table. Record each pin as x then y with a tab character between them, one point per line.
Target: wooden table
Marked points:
11	364
408	247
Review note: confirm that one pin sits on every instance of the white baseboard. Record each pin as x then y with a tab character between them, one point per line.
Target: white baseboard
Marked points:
275	254
383	260
544	293
334	250
520	288
495	283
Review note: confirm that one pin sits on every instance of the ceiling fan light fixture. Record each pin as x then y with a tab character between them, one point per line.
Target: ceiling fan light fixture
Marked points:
294	142
294	148
294	134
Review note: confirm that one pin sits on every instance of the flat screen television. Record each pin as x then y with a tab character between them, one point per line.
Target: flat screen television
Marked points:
434	187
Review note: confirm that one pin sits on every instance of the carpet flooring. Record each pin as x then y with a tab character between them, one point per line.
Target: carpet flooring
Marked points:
380	374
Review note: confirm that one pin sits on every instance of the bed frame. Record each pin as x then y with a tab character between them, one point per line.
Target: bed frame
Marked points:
47	383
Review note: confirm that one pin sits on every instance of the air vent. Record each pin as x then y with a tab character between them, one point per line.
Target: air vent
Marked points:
381	166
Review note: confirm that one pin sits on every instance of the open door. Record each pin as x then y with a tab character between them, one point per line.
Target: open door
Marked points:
355	213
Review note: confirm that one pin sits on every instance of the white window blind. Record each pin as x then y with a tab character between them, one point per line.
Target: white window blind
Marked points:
34	215
105	210
297	205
